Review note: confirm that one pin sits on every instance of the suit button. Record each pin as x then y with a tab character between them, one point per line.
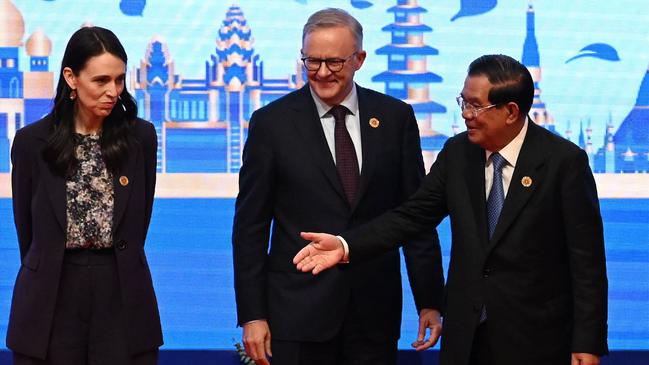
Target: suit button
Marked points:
121	245
486	272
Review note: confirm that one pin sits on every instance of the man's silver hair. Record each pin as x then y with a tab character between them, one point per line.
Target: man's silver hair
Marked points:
334	17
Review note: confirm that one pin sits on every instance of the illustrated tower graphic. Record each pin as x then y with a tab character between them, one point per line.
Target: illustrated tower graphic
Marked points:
531	60
407	77
39	80
12	29
234	68
155	81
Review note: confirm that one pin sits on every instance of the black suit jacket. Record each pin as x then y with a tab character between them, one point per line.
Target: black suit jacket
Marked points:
542	276
288	184
40	217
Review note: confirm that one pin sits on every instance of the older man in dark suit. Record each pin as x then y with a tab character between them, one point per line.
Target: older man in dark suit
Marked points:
329	157
527	279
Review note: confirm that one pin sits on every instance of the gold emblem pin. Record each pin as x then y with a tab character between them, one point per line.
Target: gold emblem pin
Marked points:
526	181
374	123
123	180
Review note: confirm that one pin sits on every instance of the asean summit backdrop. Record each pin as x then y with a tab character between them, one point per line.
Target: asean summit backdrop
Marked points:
198	70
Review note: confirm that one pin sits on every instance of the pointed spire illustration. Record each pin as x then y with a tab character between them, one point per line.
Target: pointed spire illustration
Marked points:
234	69
532	60
568	133
154	81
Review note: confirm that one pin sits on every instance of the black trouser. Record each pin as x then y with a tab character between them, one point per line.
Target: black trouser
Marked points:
351	346
88	326
480	350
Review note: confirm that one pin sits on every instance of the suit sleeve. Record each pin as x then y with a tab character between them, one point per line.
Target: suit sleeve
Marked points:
423	211
150	151
585	241
252	220
422	253
21	191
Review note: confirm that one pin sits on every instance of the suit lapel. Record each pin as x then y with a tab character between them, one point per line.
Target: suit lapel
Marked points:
528	165
475	182
369	140
56	188
122	182
307	122
54	184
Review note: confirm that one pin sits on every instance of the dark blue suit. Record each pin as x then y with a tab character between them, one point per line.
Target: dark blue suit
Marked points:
542	275
289	183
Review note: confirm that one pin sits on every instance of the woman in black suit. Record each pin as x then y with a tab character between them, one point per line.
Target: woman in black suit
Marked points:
83	182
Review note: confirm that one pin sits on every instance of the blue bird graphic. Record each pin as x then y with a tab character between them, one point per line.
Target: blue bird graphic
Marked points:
132	7
361	4
602	51
474	7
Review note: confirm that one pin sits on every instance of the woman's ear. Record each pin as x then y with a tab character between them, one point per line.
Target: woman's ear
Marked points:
70	78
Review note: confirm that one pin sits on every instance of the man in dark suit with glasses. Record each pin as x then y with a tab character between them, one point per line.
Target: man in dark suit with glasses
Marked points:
527	277
329	157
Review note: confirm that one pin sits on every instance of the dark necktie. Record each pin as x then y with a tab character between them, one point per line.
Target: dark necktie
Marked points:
346	161
497	194
494	204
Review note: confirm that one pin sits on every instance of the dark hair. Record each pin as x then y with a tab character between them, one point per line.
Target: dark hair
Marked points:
59	152
512	82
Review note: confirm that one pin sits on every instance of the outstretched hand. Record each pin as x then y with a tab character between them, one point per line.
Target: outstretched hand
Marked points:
323	252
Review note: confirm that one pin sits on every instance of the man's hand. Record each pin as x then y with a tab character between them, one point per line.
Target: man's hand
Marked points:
323	252
582	358
256	341
428	318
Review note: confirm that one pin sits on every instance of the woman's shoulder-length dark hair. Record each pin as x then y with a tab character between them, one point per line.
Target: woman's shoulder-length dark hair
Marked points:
84	44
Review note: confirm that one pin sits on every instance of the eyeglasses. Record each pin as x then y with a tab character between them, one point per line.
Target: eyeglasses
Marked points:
333	64
474	110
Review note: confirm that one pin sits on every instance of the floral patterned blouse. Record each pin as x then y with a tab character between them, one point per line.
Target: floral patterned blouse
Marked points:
89	198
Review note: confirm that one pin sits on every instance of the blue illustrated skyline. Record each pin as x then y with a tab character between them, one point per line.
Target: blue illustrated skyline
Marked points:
198	69
202	120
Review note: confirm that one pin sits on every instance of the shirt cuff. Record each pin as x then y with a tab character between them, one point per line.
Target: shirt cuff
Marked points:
253	321
345	259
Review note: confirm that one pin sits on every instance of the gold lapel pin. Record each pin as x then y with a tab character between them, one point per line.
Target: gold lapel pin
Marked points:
123	180
526	181
374	123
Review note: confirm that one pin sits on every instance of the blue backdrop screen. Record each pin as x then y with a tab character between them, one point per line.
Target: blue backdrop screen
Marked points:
198	69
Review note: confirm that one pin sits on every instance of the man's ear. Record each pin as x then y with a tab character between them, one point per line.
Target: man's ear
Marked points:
360	58
70	78
514	113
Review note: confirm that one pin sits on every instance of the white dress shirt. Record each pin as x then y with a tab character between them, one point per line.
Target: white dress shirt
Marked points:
510	154
352	122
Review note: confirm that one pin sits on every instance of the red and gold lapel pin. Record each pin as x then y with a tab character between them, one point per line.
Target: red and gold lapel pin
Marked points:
526	181
123	180
374	123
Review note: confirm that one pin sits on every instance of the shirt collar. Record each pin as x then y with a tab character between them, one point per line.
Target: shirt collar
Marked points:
513	148
350	102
